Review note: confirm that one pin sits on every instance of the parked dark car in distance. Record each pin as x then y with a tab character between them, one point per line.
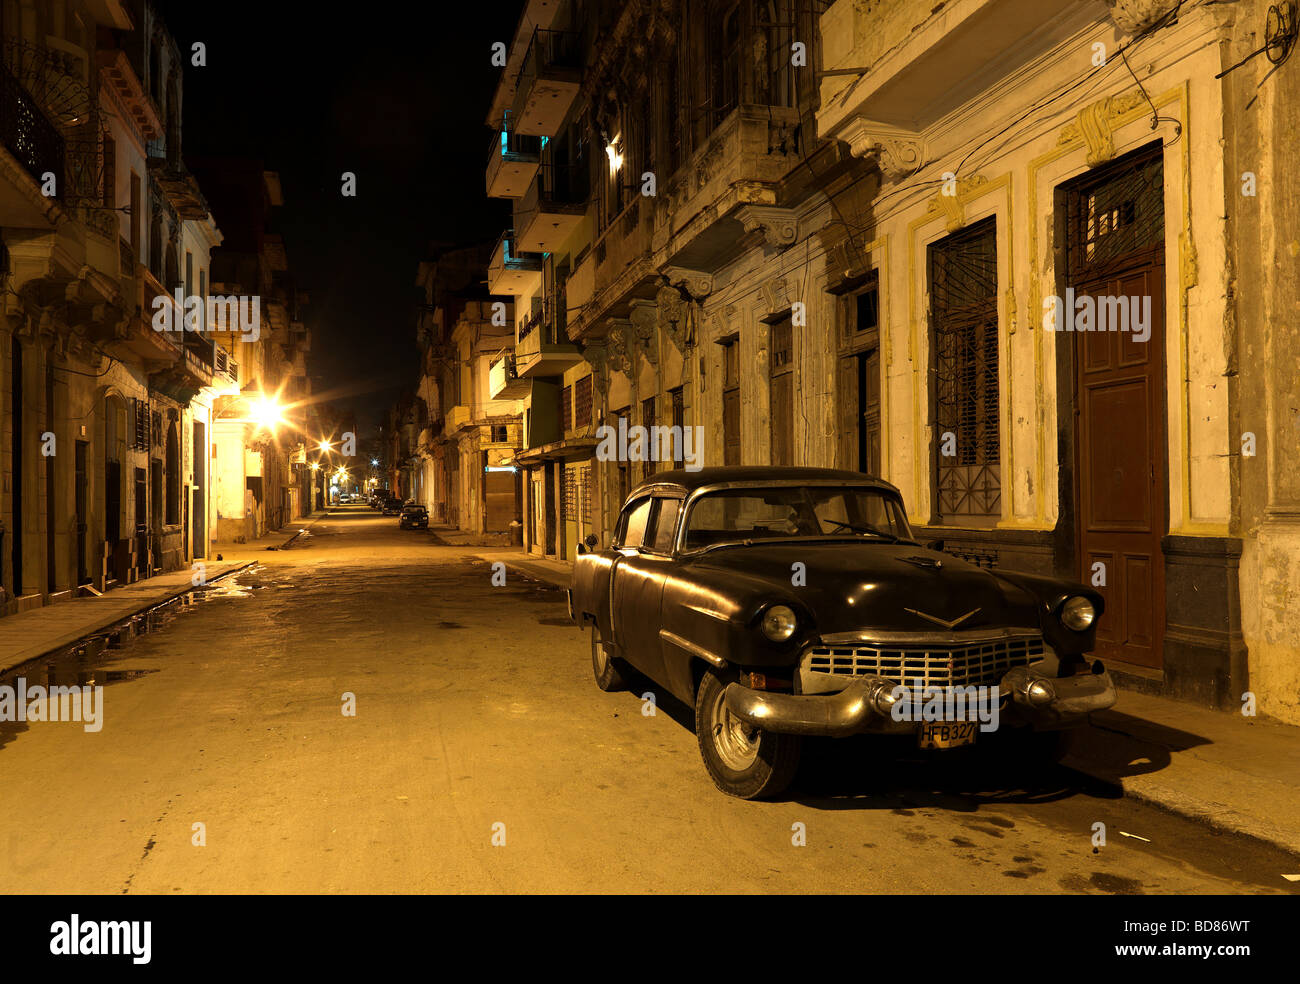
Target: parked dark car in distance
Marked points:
786	602
414	518
392	507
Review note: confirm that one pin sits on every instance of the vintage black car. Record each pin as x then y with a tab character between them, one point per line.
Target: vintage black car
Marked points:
413	518
392	506
784	602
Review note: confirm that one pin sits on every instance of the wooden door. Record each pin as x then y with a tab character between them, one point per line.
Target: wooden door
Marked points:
1122	483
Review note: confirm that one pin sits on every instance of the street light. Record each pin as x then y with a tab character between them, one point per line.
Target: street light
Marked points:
265	412
325	445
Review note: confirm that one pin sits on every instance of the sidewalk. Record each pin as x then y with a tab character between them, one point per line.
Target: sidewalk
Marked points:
557	573
41	631
1236	774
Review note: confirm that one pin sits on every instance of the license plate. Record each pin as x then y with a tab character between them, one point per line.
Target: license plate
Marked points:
947	734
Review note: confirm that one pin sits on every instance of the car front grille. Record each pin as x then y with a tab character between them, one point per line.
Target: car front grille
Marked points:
921	664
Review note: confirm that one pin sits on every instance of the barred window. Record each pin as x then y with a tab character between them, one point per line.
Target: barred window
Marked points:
582	402
964	339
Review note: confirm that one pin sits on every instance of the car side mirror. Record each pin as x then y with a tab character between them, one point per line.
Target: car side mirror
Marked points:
591	541
933	545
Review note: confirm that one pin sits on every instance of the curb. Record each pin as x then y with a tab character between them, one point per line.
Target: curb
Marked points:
1217	817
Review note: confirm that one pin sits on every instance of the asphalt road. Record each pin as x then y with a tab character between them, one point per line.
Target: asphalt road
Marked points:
482	758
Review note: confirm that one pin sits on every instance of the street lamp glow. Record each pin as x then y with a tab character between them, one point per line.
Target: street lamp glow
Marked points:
315	466
325	445
265	412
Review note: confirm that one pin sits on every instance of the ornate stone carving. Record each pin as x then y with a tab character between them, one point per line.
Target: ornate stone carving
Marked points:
778	226
774	294
1134	16
954	206
697	283
618	346
1097	122
898	152
597	356
645	329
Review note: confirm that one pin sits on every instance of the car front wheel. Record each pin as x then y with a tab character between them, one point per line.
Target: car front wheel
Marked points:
742	760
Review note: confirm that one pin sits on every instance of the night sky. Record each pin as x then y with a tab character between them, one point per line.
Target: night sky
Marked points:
398	98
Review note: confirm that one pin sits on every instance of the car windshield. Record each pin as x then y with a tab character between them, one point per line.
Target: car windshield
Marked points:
795	512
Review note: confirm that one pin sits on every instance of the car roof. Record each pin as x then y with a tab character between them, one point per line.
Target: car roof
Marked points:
689	481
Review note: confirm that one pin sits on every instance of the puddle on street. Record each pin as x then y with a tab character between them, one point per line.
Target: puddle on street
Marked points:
81	664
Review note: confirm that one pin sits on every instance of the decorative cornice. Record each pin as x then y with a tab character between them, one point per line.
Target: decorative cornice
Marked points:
778	226
698	283
897	151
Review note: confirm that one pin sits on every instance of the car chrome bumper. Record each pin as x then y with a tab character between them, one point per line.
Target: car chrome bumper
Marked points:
1029	697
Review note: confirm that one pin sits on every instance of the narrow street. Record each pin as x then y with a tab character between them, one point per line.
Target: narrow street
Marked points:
475	707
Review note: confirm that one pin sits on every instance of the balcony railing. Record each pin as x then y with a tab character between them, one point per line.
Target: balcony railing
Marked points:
27	133
510	270
512	162
549	53
547	82
552	208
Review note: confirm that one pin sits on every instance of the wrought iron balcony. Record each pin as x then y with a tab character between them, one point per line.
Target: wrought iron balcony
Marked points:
513	159
27	133
511	272
553	207
548	82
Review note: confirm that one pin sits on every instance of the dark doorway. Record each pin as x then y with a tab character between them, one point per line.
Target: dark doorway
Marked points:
1115	227
868	367
18	423
83	574
51	487
141	523
199	513
731	402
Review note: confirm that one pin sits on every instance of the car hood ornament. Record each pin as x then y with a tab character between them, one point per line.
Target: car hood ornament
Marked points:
944	622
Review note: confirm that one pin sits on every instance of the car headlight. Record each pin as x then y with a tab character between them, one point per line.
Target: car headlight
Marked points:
1078	614
779	623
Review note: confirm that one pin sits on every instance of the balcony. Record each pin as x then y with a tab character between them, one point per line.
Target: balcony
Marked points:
458	418
740	165
548	82
510	272
35	144
504	382
895	70
543	349
513	159
552	209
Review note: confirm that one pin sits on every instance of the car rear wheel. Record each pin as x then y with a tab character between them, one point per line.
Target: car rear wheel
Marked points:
605	666
742	760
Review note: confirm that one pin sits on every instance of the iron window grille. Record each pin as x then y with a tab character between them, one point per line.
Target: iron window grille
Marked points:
1115	214
964	337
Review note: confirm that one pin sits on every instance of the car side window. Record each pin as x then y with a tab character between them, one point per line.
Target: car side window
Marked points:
666	526
633	524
